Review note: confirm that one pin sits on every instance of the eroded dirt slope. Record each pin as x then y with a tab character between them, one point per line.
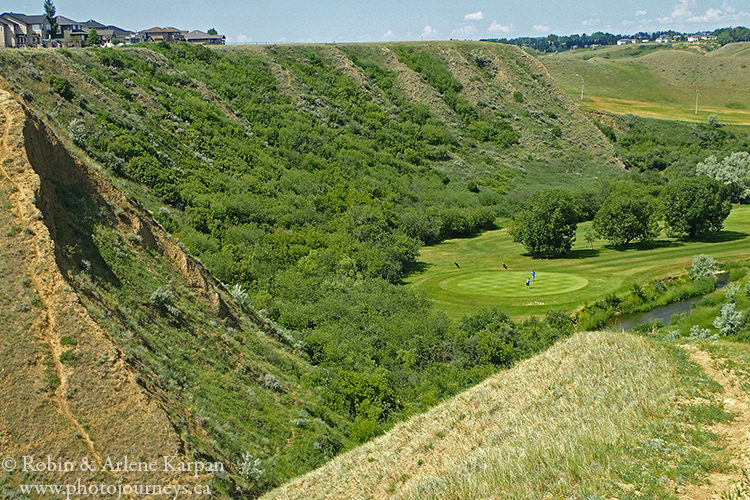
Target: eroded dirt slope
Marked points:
93	407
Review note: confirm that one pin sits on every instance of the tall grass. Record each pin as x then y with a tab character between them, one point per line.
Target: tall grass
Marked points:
591	416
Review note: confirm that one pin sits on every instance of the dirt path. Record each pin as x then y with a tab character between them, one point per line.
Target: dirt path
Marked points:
22	204
736	433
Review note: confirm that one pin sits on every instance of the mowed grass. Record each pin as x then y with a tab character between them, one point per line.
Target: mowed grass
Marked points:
658	82
588	273
600	415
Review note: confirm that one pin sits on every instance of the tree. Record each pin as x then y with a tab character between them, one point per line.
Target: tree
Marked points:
50	11
590	237
212	31
694	205
92	40
733	171
547	224
627	216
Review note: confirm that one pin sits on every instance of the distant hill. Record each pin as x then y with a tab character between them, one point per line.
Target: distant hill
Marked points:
659	81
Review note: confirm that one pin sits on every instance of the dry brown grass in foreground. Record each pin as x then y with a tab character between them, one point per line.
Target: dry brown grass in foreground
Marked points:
554	426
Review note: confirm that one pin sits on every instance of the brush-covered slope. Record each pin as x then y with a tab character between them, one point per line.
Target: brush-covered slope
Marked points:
116	342
658	81
307	176
600	415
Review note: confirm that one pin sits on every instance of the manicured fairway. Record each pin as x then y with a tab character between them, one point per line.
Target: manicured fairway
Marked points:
585	275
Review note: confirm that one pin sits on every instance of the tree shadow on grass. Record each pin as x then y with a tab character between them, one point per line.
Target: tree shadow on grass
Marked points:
719	237
652	245
415	268
582	253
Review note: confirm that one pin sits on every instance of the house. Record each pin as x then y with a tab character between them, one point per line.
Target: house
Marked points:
664	39
201	38
167	34
68	28
20	30
626	41
109	33
693	38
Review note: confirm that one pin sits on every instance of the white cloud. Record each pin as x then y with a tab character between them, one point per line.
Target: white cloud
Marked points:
474	16
682	9
591	22
242	39
388	34
726	13
429	31
640	12
465	31
496	27
540	28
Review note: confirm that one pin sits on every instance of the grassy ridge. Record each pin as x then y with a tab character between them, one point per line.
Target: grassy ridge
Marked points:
658	83
606	414
607	270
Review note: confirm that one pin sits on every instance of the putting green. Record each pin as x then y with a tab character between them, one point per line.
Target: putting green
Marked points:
501	283
589	272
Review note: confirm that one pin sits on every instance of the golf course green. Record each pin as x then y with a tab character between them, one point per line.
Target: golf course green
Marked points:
589	272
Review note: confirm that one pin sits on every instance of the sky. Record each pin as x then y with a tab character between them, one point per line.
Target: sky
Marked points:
287	21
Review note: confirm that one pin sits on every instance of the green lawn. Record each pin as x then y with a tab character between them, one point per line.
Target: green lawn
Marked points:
585	275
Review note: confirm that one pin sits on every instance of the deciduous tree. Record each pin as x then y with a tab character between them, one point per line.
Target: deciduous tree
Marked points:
733	171
547	224
694	205
627	216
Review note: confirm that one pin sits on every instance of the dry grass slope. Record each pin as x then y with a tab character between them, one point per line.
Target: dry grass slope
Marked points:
541	430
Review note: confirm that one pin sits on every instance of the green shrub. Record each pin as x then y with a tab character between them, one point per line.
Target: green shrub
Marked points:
69	357
77	129
729	321
62	86
703	267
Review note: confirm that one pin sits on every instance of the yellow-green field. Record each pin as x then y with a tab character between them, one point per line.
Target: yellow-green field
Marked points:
587	274
658	81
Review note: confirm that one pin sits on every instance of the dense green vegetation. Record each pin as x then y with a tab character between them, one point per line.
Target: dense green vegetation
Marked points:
673	147
546	225
308	178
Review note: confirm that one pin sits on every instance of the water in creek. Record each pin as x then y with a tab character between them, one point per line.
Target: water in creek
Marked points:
663	313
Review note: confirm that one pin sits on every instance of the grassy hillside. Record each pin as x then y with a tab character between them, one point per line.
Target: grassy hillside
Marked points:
600	415
591	271
657	81
305	178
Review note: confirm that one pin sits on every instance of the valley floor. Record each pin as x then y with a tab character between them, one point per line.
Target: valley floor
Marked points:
589	272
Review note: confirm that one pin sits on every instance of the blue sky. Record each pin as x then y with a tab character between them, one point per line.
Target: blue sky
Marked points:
278	21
